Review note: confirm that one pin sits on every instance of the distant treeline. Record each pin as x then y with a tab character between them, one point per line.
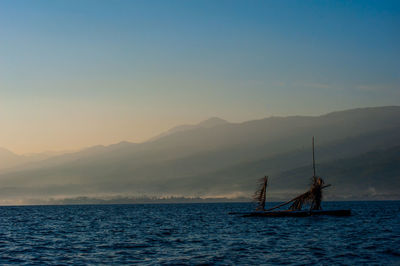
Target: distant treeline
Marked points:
134	200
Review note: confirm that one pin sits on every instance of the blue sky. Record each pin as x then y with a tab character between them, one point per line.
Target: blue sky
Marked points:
78	73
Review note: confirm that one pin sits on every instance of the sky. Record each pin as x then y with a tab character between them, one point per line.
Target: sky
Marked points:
80	73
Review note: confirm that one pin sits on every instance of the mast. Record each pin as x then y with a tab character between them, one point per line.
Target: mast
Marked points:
313	156
312	196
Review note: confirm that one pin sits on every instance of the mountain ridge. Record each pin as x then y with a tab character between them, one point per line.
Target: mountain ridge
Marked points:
210	122
193	161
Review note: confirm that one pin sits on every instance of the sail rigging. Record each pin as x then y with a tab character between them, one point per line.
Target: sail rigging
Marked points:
312	197
261	194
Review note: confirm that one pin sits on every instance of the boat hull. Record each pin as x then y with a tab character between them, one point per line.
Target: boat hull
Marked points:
288	213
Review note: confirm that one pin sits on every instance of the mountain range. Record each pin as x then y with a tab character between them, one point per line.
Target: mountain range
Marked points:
357	151
9	159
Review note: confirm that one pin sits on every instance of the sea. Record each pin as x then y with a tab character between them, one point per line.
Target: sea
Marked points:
203	233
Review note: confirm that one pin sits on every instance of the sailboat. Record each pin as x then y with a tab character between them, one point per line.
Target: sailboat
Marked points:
311	198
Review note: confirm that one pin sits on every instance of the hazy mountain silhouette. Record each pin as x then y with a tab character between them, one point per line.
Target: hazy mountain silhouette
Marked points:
211	122
9	159
219	158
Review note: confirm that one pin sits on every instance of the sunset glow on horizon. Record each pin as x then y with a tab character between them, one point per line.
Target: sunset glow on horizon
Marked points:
74	74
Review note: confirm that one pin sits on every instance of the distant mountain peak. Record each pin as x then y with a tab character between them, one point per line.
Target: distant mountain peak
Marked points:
212	121
5	151
208	123
363	110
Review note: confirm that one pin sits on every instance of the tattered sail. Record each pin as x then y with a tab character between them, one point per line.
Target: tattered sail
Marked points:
261	193
312	197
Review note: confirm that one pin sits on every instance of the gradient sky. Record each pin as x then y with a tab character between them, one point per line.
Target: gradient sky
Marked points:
80	73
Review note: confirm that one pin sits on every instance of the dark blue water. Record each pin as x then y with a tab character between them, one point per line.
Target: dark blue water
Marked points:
197	234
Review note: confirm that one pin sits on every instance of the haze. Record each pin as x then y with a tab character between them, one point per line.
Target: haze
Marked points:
80	73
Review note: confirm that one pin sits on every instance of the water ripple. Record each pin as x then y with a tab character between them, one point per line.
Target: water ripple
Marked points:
170	234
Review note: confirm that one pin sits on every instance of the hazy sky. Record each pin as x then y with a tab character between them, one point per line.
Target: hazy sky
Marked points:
80	73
